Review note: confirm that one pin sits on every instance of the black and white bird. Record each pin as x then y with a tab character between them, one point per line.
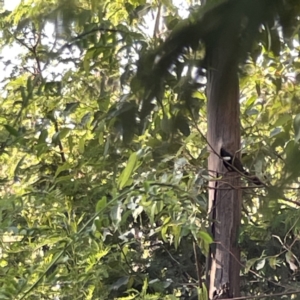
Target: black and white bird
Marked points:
233	164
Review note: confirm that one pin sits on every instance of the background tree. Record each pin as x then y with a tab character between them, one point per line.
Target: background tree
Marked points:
104	162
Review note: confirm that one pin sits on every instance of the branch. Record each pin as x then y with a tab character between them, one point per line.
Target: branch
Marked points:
86	33
61	149
156	26
264	296
198	265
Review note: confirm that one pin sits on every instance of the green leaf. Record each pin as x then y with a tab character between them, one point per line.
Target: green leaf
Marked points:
275	131
41	148
181	123
283	119
87	59
272	262
64	167
176	230
81	144
249	264
202	292
64	132
43	136
16	172
70	143
55	138
116	213
127	172
29	85
163	232
297	127
166	124
85	119
120	282
106	147
24	97
101	203
70	108
11	130
146	185
292	157
205	237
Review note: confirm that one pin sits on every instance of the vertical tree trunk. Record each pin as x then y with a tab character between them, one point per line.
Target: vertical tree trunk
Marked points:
224	131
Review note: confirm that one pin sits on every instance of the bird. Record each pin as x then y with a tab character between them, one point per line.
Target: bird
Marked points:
233	164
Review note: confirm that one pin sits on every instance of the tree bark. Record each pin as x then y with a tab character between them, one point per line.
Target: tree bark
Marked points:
223	131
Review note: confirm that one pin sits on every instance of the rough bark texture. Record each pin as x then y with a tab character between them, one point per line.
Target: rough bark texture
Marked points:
224	131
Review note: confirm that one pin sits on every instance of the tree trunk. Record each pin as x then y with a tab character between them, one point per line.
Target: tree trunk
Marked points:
223	131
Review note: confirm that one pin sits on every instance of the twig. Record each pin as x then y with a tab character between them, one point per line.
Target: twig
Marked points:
61	149
79	36
264	296
157	20
126	260
198	265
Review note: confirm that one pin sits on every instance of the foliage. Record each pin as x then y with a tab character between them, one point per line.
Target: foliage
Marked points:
99	201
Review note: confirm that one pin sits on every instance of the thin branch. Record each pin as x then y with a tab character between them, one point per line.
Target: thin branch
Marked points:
36	56
126	260
264	296
157	20
61	149
22	43
231	187
290	201
198	265
86	33
171	256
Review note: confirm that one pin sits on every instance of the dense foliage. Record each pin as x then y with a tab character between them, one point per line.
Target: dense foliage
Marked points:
101	202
